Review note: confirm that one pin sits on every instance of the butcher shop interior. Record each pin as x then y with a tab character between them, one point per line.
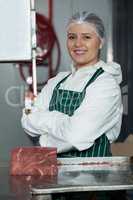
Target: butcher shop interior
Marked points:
48	150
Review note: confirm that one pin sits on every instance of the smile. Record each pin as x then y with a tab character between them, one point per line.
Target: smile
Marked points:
79	52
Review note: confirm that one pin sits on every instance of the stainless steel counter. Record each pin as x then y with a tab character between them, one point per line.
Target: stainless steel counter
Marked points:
75	174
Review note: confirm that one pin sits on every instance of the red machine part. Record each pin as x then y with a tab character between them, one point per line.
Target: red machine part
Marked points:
46	41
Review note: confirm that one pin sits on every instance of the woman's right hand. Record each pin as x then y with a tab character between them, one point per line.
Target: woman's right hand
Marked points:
29	101
29	95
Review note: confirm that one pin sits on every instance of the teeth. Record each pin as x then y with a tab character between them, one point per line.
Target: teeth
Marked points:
79	52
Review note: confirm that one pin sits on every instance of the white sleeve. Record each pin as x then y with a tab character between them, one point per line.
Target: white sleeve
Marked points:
39	123
30	122
100	112
39	112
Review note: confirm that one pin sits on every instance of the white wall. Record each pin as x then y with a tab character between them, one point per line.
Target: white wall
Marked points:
11	85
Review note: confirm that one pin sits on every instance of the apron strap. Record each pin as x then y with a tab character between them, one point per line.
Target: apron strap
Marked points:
94	77
58	84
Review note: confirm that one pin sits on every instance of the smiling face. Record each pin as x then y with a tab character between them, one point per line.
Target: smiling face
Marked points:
83	44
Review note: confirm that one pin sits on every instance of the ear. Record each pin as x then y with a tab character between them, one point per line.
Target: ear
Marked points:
101	44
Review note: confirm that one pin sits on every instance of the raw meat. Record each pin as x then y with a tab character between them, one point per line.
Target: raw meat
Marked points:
33	161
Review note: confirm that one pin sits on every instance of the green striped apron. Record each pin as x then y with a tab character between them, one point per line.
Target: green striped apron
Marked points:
67	102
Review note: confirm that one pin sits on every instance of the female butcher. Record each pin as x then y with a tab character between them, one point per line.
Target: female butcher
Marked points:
79	111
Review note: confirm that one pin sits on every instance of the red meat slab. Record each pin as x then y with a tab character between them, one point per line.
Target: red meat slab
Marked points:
33	161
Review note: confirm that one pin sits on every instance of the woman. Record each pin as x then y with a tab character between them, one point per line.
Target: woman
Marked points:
80	111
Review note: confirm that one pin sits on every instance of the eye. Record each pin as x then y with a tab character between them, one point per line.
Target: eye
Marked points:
87	37
71	36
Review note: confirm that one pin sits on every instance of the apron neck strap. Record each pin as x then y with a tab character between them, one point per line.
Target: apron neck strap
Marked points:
94	77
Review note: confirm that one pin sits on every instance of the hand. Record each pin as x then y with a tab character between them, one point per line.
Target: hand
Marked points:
29	95
29	101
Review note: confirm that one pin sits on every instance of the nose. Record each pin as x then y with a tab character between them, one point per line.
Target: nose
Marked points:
78	42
